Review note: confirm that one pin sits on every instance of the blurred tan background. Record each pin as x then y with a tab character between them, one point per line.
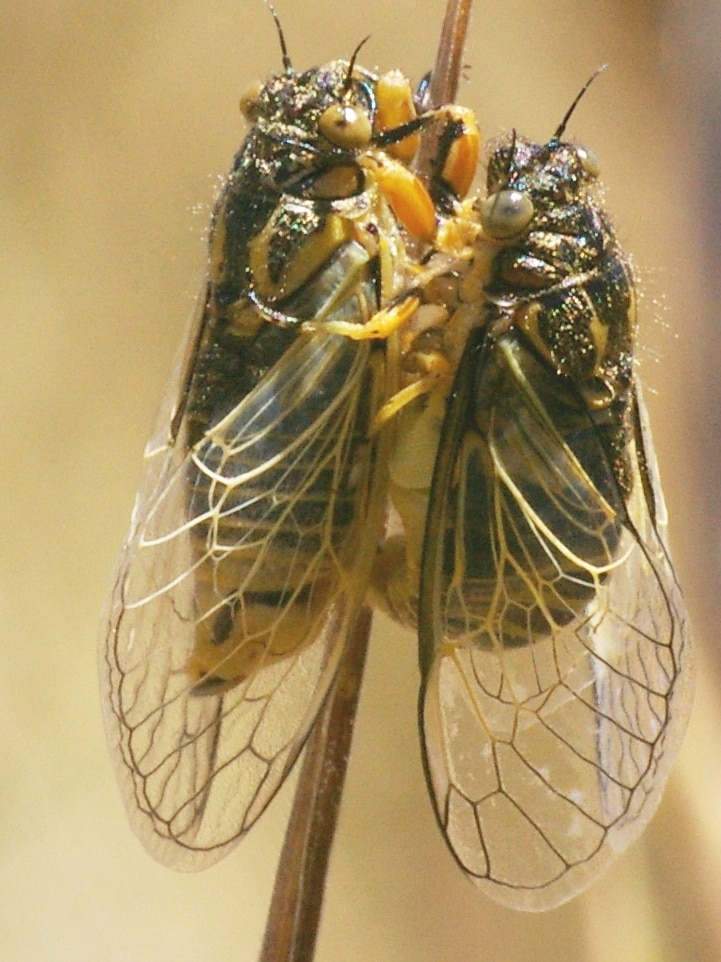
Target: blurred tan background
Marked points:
115	120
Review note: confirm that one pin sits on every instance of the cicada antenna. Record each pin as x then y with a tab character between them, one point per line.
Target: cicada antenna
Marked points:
287	65
562	126
351	64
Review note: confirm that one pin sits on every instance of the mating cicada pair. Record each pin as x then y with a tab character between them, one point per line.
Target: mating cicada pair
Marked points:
371	342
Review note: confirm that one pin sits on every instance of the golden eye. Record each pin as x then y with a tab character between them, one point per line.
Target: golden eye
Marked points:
506	214
346	126
589	161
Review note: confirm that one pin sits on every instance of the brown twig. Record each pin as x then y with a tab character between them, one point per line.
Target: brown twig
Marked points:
447	68
294	914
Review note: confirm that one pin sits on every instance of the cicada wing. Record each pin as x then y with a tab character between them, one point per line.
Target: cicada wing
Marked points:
553	637
648	594
244	569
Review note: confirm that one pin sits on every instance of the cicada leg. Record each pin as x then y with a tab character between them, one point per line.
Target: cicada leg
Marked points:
380	326
434	369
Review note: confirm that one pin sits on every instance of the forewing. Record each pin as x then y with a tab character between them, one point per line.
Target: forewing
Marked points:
553	641
244	568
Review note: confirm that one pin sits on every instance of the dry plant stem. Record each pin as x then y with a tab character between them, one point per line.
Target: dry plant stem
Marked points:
294	914
447	68
446	71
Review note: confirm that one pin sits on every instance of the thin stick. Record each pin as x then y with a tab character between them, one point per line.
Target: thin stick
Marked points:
447	68
294	915
446	72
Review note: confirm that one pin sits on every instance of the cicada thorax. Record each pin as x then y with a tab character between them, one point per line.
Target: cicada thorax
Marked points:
561	279
307	234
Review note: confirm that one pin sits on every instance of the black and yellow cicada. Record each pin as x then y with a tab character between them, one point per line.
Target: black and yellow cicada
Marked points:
485	382
264	494
553	639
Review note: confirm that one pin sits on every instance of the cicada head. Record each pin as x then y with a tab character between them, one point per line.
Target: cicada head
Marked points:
310	128
529	183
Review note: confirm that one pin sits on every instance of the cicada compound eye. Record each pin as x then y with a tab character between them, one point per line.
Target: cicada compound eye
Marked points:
589	162
346	126
250	101
506	214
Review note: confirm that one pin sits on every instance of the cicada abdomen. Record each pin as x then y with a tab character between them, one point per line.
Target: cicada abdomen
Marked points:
264	494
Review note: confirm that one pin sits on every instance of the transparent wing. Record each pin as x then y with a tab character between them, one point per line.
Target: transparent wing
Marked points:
244	568
554	654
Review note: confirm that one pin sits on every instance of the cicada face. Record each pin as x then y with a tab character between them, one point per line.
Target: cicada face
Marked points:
553	637
264	493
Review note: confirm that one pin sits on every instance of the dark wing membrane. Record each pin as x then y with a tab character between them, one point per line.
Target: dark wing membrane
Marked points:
553	636
245	566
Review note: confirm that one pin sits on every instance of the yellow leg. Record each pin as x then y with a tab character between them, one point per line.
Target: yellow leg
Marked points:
436	370
380	326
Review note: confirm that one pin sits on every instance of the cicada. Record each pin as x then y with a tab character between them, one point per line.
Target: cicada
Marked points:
264	492
554	647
